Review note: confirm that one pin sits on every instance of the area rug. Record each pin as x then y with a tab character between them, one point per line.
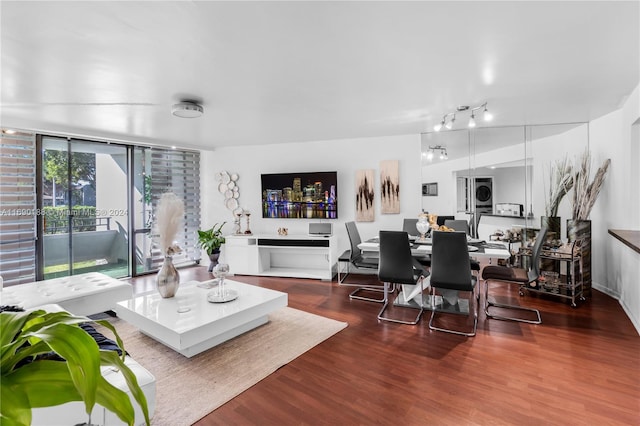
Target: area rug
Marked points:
190	388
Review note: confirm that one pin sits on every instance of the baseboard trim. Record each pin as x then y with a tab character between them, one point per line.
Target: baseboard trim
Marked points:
625	308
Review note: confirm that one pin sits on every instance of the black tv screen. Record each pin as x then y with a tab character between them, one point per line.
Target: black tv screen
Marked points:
300	195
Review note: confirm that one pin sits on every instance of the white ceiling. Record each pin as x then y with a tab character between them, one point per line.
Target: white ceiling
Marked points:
270	72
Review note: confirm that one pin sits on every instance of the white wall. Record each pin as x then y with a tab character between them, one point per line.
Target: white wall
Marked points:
111	190
615	267
344	156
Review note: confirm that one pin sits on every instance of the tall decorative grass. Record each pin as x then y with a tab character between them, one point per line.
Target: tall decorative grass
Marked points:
560	183
585	193
168	218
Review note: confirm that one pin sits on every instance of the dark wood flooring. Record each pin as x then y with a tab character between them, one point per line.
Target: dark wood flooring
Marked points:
580	367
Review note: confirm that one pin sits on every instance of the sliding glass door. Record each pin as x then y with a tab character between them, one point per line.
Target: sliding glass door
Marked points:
156	171
85	201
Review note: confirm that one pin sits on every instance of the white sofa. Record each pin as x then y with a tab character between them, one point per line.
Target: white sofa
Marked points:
83	294
73	413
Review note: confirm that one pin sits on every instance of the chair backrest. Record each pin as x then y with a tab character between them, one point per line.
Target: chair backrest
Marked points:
457	225
409	226
450	264
534	272
354	239
441	219
395	263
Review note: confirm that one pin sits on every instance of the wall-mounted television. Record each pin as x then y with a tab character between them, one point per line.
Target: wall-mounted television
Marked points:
308	195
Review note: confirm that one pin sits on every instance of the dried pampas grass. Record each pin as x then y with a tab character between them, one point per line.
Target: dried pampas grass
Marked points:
585	194
168	219
560	183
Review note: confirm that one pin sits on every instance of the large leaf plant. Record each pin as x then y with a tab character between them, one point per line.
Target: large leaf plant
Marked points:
29	378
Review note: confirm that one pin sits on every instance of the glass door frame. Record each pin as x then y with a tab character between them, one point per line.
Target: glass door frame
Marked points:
40	221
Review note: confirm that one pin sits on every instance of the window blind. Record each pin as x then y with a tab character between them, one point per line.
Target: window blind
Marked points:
178	172
17	207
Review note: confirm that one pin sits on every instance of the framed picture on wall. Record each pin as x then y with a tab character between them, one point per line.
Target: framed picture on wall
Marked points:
389	187
430	189
364	196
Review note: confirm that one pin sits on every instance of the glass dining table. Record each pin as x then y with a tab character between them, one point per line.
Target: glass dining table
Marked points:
448	301
477	248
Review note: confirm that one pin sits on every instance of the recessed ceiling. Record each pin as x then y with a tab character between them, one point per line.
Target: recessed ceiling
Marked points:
276	72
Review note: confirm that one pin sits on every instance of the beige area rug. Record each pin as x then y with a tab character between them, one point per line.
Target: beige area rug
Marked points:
190	388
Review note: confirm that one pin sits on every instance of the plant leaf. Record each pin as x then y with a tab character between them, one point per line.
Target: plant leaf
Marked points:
111	358
13	409
44	382
81	353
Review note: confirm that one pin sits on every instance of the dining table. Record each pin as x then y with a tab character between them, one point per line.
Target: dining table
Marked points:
449	300
422	247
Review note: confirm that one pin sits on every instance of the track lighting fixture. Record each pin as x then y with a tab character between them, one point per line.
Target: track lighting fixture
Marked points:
441	150
449	125
449	118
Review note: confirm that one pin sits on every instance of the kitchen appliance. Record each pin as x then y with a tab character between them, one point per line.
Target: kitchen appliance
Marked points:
509	209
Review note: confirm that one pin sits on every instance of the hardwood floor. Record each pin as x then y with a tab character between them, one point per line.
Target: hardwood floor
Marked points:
580	367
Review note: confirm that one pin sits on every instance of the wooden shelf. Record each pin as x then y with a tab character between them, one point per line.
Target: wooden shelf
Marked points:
628	237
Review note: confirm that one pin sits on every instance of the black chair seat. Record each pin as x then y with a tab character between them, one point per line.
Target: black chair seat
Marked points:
503	273
424	261
475	265
345	257
520	276
365	262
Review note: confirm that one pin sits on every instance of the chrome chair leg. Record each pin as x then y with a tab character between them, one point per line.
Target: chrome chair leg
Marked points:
475	295
354	294
386	304
488	304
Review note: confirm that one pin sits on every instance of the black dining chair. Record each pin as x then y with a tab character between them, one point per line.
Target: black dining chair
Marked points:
451	272
409	226
358	261
462	226
398	267
519	276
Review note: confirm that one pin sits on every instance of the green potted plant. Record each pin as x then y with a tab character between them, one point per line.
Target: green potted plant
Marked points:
211	240
33	375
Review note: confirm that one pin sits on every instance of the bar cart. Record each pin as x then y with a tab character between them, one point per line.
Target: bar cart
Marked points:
552	282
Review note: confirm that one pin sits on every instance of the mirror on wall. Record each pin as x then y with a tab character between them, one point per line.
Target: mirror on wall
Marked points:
498	172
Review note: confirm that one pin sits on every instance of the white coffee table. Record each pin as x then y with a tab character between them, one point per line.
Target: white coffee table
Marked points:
204	324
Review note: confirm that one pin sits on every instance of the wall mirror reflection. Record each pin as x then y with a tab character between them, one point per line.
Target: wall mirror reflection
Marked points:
497	177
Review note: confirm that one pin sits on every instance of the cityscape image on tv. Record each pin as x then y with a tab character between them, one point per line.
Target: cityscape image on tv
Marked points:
300	195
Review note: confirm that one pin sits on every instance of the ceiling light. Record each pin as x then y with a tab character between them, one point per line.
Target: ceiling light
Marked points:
449	125
487	116
438	148
187	110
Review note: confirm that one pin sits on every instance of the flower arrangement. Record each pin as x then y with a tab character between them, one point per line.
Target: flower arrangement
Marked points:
560	183
585	194
168	218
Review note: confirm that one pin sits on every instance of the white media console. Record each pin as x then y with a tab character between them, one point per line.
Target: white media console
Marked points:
300	256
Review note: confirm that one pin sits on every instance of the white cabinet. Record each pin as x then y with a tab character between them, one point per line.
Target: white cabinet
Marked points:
300	256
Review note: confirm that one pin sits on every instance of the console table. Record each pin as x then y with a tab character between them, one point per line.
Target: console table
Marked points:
299	256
